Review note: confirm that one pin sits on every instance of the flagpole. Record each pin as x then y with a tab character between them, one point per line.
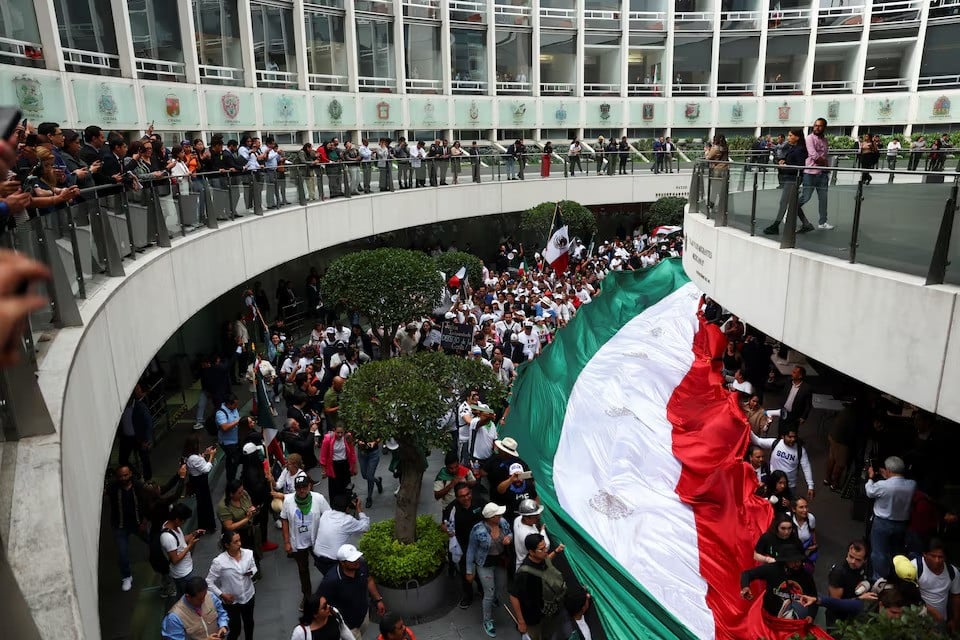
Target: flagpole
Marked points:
552	222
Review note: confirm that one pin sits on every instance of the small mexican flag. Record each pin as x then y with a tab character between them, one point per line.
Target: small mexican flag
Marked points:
522	269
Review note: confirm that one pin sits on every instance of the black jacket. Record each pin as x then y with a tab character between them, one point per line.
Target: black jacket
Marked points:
782	585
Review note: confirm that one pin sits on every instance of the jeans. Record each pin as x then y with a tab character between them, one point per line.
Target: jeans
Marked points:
511	167
122	538
181	584
788	186
202	407
302	557
886	541
575	164
369	461
492	581
241	616
818	182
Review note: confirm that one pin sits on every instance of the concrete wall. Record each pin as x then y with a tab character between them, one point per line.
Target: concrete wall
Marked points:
882	327
89	372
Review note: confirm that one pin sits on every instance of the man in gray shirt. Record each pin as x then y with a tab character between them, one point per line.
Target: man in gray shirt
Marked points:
892	496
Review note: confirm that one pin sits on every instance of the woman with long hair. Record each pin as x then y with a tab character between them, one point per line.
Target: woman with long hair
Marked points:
46	195
776	489
782	533
199	464
231	578
321	621
806	527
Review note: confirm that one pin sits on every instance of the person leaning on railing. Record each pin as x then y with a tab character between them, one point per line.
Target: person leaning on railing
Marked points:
794	154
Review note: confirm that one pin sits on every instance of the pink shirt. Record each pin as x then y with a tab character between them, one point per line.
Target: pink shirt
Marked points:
816	150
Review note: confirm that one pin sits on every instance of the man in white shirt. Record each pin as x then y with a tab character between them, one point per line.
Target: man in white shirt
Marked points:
507	323
483	432
337	528
464	420
893	495
939	584
527	522
788	454
893	148
300	516
531	340
178	546
736	382
366	163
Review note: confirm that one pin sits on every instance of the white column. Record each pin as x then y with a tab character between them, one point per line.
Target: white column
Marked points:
491	50
121	25
860	66
188	41
916	56
446	64
300	44
580	76
245	22
666	64
715	52
761	73
535	48
350	43
399	46
807	81
49	34
624	50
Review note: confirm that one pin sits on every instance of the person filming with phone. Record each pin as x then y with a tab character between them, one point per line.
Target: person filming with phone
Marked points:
198	615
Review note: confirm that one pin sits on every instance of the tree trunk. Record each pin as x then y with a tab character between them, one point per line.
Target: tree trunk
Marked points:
411	477
386	343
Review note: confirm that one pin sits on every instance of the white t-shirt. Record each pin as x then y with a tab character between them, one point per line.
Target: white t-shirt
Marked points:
303	528
805	531
464	428
520	533
935	589
197	465
285	483
483	445
174	540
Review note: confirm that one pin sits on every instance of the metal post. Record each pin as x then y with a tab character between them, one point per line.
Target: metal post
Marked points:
101	228
855	228
125	208
301	186
347	187
178	203
256	185
208	196
75	248
65	311
163	236
789	238
753	207
834	163
694	194
724	197
22	405
941	250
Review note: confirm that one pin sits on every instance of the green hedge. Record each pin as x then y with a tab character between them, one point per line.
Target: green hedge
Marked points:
394	564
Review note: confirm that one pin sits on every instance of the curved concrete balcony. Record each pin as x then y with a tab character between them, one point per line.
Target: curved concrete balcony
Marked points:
88	371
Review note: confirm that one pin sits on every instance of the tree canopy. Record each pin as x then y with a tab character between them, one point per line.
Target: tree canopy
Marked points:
388	286
667	210
535	222
450	262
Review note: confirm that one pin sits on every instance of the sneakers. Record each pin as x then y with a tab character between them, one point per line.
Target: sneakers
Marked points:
269	546
772	230
806	228
825	226
368	503
465	602
127	583
489	628
379	485
198	426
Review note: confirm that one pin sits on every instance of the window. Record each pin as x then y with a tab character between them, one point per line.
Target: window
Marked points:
326	48
274	47
155	27
422	56
217	32
468	60
376	56
558	60
513	57
87	26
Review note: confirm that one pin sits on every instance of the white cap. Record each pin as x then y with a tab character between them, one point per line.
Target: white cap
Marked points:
516	467
250	448
348	553
476	351
527	323
492	509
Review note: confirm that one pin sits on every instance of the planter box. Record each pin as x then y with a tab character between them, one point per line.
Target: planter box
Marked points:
419	600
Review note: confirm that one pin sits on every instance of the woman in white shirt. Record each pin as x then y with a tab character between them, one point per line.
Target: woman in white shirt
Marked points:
284	485
199	466
231	578
806	526
180	172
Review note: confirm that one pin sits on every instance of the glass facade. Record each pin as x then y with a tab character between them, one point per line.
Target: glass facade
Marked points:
468	60
558	63
274	45
513	60
155	28
376	56
217	27
422	57
326	50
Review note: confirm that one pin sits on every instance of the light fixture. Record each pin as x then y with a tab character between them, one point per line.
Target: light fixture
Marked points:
871	68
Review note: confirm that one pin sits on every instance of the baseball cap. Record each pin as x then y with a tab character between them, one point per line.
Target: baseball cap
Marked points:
476	351
249	448
302	481
516	467
331	331
491	509
527	323
348	553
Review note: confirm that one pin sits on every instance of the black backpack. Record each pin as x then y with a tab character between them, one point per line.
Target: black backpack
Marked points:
799	448
917	560
210	424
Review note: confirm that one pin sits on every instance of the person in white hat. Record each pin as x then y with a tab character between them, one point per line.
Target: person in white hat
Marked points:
483	432
527	522
531	340
487	550
349	588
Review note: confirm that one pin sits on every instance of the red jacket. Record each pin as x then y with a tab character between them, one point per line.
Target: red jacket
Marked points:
326	454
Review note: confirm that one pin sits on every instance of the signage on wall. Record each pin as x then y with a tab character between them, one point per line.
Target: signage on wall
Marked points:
833	109
383	110
884	109
284	107
941	107
230	105
519	111
172	107
783	112
605	111
561	114
474	112
648	111
691	111
335	111
29	96
106	103
736	112
428	112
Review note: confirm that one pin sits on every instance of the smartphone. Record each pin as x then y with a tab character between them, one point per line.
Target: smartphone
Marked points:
526	475
10	117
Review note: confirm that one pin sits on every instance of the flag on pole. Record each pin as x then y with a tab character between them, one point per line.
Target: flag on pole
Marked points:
557	253
638	454
522	269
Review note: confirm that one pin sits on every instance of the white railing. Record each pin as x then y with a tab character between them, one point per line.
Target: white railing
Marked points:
903	11
163	68
945	9
374	6
511	10
273	78
694	16
91	59
468	5
778	17
741	16
322	4
691	89
591	14
422	4
221	74
648	20
644	89
469	86
429	9
513	87
11	48
939	81
375	82
827	13
886	83
326	81
735	87
781	87
420	85
828	86
595	88
548	12
557	88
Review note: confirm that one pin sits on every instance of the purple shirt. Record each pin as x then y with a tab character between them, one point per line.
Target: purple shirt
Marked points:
816	150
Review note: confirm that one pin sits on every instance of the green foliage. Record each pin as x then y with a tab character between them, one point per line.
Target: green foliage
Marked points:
740	143
450	262
535	222
393	563
838	143
457	375
389	286
666	211
912	625
644	144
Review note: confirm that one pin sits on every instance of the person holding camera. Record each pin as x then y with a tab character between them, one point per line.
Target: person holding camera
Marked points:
300	516
893	498
199	465
231	579
238	513
342	524
178	545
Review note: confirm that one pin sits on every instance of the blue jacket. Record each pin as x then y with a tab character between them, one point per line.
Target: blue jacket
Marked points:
480	540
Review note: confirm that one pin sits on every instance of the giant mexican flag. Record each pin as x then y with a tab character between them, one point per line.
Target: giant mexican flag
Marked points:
637	451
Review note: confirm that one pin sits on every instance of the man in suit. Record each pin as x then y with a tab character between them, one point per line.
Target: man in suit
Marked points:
433	158
657	155
798	403
520	151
